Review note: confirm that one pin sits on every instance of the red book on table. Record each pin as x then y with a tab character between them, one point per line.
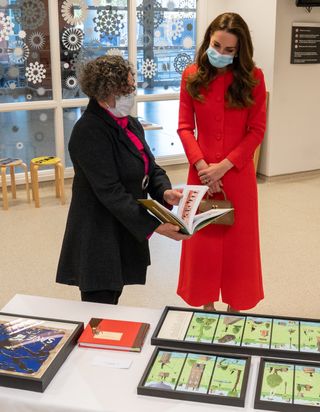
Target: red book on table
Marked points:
114	334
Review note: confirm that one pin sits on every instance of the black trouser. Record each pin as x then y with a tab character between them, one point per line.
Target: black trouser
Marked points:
101	296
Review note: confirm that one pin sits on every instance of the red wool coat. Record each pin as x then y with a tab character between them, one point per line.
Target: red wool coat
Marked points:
224	259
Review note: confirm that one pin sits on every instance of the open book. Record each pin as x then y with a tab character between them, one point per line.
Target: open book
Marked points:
186	216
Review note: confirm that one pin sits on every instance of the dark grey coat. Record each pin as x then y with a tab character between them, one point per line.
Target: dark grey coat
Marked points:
105	243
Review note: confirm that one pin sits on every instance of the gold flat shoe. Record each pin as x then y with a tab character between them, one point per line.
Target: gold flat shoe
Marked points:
231	310
209	307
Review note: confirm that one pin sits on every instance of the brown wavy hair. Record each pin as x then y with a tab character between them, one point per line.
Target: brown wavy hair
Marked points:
239	93
105	76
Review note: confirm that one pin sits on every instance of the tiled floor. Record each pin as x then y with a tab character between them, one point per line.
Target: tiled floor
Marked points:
290	239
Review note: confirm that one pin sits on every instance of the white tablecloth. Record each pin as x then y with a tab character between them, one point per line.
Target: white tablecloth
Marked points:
82	386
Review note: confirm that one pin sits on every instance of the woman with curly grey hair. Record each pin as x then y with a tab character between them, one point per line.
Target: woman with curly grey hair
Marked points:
105	245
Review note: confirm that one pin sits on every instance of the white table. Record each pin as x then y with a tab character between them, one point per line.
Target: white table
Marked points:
82	386
149	125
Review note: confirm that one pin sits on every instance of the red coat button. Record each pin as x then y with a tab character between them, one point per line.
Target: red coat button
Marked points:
218	117
218	137
218	155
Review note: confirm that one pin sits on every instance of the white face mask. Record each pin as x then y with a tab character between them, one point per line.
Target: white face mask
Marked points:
124	105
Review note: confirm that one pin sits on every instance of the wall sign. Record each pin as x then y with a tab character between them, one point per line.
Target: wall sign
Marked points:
305	43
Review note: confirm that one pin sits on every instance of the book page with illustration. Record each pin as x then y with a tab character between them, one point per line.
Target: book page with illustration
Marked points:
188	206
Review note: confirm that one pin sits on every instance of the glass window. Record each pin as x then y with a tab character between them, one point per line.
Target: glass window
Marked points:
27	134
159	118
89	29
164	44
166	39
70	116
25	73
163	117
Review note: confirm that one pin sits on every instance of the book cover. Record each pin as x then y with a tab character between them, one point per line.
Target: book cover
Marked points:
114	334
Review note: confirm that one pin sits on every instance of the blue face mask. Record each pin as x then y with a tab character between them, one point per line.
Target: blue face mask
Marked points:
218	60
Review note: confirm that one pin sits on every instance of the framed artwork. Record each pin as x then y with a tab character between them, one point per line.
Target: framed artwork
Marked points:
198	376
285	385
247	333
32	349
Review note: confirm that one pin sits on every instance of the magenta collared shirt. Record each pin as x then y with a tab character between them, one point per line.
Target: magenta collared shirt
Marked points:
123	122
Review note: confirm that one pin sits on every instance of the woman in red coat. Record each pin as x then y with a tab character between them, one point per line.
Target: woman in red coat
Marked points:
223	96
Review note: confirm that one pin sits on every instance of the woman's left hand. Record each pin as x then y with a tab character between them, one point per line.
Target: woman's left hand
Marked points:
172	196
214	172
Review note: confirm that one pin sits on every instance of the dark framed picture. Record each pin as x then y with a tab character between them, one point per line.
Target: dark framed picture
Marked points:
198	376
246	333
288	386
32	349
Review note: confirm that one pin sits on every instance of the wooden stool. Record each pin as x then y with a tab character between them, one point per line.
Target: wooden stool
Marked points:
12	163
59	176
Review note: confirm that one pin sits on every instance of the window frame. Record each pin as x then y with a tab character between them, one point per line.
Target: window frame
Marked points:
58	104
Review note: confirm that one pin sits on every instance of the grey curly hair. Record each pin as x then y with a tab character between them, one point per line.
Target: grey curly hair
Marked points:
105	76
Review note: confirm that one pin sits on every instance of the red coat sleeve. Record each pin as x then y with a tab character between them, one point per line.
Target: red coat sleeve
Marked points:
186	125
256	125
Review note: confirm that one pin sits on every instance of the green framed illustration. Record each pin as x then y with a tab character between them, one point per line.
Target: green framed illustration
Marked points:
246	333
285	385
310	337
32	349
202	327
198	376
285	335
229	330
257	332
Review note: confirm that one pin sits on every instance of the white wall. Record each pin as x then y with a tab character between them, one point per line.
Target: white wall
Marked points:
292	141
260	16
